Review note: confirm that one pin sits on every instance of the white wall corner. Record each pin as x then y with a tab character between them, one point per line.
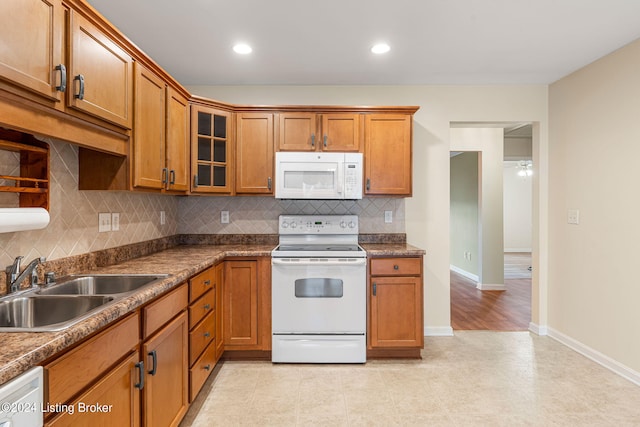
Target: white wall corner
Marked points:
491	286
596	356
540	330
464	273
438	331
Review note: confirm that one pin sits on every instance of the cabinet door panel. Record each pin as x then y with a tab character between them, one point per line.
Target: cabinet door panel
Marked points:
177	140
254	153
211	150
166	389
388	154
340	132
148	132
240	304
106	70
116	392
31	48
396	312
297	132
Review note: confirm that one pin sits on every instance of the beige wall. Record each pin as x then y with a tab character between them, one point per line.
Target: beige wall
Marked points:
464	213
427	212
594	296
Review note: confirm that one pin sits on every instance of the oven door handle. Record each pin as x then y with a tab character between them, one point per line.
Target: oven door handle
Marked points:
318	262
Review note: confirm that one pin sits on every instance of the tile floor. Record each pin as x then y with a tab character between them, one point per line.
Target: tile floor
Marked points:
476	378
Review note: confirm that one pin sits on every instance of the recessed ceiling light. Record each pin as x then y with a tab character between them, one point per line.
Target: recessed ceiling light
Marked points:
380	48
242	49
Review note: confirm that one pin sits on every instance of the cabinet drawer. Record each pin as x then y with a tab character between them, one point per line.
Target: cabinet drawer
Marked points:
201	370
203	334
203	306
201	283
76	369
396	266
163	310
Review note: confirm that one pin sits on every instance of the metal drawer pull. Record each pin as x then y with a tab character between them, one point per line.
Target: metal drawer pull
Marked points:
154	358
313	140
207	334
207	367
207	282
80	94
368	184
172	177
63	78
269	183
374	289
164	175
395	267
207	306
140	367
325	141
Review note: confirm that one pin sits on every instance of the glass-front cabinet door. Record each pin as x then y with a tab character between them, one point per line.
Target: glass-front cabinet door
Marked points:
210	150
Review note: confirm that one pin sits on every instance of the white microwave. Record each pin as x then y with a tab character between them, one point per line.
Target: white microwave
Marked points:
306	175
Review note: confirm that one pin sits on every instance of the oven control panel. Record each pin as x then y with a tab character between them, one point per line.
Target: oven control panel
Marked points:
318	224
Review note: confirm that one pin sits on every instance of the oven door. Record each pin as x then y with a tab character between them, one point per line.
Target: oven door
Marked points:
319	296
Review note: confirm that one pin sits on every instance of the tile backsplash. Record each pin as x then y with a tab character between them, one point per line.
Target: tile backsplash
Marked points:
259	215
73	229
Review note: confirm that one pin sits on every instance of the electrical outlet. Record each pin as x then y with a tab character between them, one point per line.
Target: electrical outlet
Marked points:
388	217
224	217
115	221
104	222
163	218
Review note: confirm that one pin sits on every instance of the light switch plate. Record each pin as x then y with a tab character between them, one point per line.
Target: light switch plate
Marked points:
104	222
388	217
224	217
163	218
573	216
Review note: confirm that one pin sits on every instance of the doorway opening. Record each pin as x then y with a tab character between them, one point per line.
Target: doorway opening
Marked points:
491	232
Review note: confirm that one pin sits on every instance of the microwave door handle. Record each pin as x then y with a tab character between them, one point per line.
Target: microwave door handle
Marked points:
340	177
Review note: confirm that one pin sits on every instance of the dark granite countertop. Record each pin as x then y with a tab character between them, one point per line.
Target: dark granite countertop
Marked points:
21	351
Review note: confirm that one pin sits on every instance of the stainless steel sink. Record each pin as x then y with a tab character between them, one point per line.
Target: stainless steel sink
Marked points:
33	313
100	284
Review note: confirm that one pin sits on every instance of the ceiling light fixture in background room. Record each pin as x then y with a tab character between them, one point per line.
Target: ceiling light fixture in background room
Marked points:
380	48
242	49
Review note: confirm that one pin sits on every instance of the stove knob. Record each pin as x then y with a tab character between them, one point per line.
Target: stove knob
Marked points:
285	225
343	224
352	224
294	225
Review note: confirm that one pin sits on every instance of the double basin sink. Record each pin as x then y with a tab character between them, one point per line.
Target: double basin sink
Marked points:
71	300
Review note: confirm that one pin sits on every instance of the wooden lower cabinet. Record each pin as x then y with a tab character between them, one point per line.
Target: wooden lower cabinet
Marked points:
166	389
204	313
247	304
112	401
396	305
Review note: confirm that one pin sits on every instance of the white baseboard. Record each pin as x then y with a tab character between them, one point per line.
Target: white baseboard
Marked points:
596	356
517	250
491	287
464	273
438	331
538	329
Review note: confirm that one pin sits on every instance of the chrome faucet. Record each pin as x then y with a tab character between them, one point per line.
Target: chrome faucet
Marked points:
14	277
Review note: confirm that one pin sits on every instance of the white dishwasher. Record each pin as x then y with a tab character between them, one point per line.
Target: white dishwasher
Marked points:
21	400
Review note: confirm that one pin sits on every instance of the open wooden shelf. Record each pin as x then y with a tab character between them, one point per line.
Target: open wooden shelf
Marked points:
32	184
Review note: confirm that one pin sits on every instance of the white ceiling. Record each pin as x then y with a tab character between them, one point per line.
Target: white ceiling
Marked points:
327	42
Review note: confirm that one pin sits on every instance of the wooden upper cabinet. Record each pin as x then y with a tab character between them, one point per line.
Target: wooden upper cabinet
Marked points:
32	32
211	150
387	154
100	74
177	141
149	130
340	132
254	153
297	132
318	132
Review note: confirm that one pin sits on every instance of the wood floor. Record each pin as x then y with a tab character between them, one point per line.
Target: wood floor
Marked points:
510	310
